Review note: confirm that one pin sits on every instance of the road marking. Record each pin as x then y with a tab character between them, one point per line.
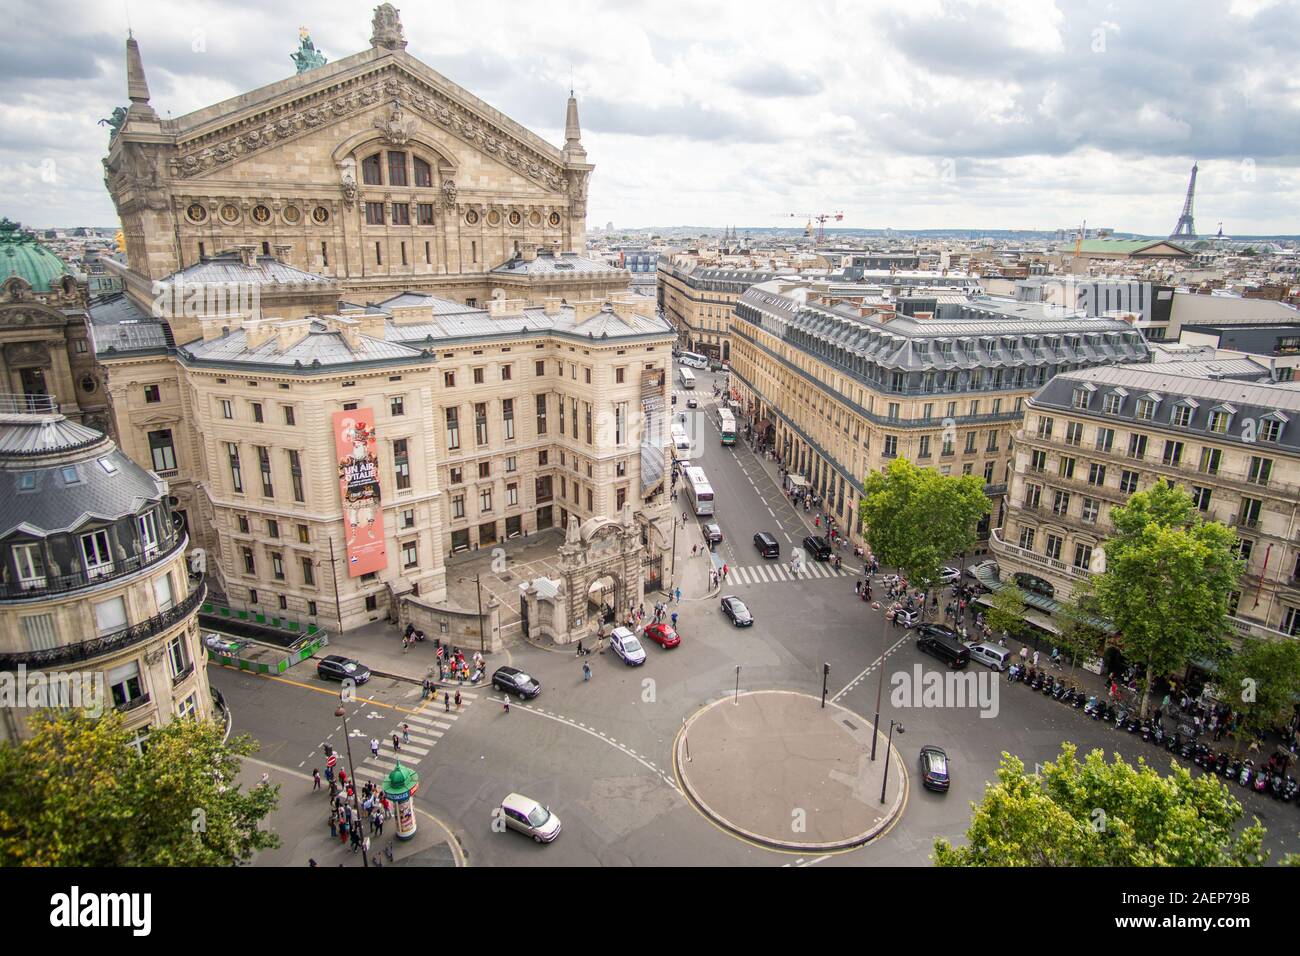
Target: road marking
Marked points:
770	511
877	662
322	690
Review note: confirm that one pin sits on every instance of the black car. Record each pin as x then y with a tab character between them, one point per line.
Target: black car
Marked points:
818	548
934	769
943	643
735	609
336	667
767	545
512	680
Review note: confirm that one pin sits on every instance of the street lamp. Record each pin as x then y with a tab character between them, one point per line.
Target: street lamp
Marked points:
884	780
356	800
880	687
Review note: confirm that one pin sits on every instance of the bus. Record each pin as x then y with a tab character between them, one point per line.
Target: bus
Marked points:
698	491
686	378
727	426
681	443
693	359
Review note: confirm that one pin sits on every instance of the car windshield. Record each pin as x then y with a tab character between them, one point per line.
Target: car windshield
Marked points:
539	816
739	607
938	766
631	645
522	679
349	666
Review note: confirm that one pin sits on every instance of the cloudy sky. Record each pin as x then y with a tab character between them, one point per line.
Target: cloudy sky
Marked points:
910	114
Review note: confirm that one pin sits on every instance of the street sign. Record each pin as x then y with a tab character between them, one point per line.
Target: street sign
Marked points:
332	760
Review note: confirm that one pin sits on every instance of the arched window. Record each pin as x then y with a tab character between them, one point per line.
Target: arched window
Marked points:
370	171
423	172
396	169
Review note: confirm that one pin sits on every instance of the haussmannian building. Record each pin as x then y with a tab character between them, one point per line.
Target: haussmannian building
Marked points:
842	384
1093	437
699	301
93	573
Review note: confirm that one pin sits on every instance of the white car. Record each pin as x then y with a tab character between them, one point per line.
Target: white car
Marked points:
530	817
626	646
949	575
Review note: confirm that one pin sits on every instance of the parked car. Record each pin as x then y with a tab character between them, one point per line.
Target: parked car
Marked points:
626	646
336	667
991	655
712	532
943	643
817	547
934	769
906	618
949	575
767	545
735	609
511	680
529	817
663	635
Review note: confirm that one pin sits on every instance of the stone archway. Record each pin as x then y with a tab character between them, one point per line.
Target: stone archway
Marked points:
605	554
602	598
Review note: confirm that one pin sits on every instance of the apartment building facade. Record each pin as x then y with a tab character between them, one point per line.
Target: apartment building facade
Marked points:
842	385
699	302
1093	437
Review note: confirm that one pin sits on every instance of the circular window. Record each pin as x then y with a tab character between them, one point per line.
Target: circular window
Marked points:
230	212
515	219
554	219
88	384
196	212
291	214
471	217
494	218
320	214
534	219
261	214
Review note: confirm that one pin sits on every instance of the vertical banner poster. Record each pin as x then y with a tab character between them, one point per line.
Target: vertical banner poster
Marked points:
363	522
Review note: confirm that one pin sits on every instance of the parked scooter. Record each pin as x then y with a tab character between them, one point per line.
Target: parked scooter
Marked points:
1158	734
1090	708
1247	773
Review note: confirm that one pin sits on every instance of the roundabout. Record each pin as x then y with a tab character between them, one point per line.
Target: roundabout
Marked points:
777	769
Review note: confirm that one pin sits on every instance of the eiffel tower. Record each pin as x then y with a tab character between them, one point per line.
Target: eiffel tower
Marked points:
1185	228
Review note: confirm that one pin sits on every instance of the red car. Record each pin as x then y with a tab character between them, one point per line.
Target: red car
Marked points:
662	635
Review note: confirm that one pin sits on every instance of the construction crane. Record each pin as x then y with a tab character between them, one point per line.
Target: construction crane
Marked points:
821	218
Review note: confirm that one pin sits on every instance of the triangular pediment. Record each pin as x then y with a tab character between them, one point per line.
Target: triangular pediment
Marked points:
223	134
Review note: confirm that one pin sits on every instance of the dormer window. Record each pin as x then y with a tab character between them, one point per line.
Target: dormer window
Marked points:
31	566
1220	419
1082	396
1182	416
1146	409
1270	427
1114	402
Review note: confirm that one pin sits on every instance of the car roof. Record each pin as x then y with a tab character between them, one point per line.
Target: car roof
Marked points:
622	632
520	803
336	658
507	669
932	749
765	536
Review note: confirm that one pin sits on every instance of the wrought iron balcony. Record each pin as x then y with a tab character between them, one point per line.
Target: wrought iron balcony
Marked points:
109	643
58	584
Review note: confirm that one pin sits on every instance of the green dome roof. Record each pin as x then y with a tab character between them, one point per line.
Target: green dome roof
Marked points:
21	255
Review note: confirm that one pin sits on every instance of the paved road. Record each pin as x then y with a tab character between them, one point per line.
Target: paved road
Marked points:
598	753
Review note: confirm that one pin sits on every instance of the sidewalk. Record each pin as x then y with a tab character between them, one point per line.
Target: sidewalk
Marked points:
378	645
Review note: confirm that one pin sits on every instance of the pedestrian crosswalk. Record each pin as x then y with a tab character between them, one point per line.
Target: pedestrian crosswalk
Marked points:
425	728
773	573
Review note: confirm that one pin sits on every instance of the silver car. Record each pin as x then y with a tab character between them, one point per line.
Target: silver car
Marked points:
529	817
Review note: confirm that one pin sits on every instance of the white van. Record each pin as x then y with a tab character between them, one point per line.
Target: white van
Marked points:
991	655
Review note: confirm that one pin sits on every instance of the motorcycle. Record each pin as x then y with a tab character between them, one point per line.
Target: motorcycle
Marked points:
1275	785
1013	673
1289	789
1260	783
1247	773
1090	707
1158	734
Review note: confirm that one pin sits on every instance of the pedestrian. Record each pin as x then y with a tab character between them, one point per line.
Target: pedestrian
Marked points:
374	746
446	702
406	733
343	779
677	596
334	825
379	823
674	620
1035	658
725	571
405	645
505	704
683	519
397	744
857	588
586	671
315	776
458	700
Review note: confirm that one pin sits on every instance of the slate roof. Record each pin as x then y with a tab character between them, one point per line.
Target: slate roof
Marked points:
229	267
43	447
551	266
118	325
1242	400
320	347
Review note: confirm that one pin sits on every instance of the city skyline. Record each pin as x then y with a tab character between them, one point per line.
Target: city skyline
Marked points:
924	116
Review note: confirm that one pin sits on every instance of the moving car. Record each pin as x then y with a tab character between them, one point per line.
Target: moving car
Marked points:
512	680
817	547
529	817
992	655
663	635
337	667
943	643
712	532
692	403
735	609
767	545
906	618
934	768
949	575
626	646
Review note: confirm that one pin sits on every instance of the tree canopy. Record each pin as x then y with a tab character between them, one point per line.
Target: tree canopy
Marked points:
1261	681
1167	580
76	793
916	518
1007	611
1094	813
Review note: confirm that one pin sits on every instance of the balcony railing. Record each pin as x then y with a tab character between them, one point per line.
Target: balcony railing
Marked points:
57	584
108	643
132	704
1033	557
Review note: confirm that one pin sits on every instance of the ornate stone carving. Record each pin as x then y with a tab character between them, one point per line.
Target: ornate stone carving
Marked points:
396	129
449	193
386	28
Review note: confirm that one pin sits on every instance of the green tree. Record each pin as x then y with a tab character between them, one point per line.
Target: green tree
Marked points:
1166	584
916	518
1094	813
1261	682
1007	611
76	793
1080	636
